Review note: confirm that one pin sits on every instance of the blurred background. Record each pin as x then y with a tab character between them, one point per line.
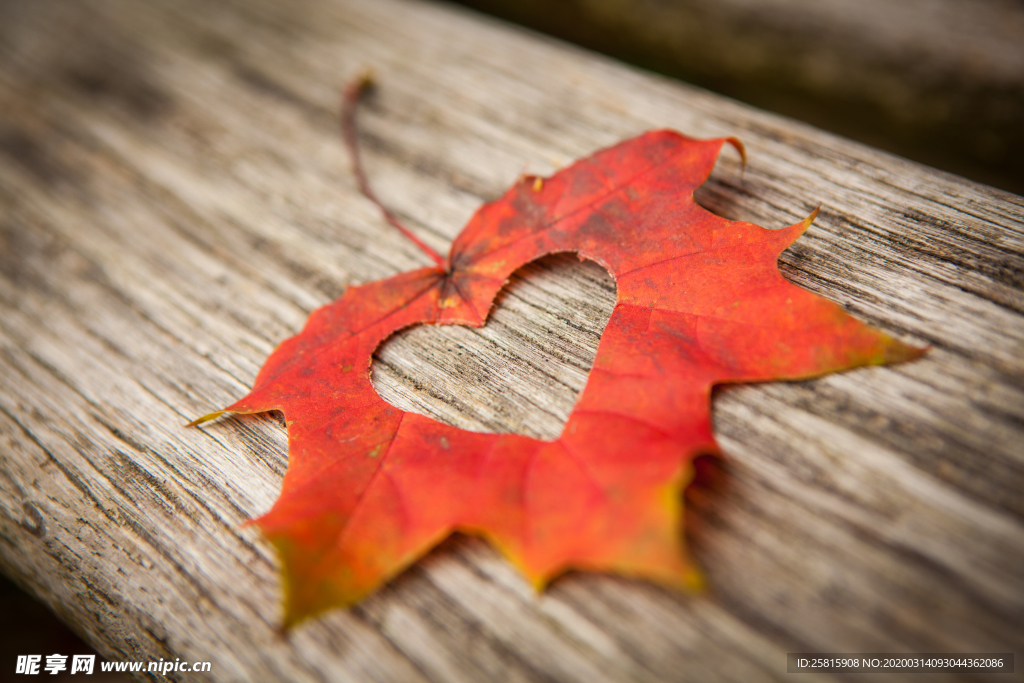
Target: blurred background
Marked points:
936	81
30	628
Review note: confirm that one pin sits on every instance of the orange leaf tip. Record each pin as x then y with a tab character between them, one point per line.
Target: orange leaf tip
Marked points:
206	418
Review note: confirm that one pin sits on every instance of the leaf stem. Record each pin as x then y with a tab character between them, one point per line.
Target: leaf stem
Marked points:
349	102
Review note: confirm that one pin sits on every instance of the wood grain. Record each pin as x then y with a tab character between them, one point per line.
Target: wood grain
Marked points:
175	200
938	81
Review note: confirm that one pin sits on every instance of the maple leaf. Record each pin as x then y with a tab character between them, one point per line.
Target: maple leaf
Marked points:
700	301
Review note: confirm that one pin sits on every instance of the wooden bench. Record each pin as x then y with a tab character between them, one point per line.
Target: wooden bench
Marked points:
938	81
175	200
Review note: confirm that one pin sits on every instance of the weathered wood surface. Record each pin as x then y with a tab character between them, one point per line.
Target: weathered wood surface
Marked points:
175	200
939	81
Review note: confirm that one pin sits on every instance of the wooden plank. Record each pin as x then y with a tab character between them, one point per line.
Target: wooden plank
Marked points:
175	201
938	81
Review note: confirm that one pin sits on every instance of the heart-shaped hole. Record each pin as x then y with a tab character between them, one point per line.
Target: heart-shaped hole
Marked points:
521	372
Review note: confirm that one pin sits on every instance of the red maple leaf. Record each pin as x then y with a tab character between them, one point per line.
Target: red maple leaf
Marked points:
371	488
